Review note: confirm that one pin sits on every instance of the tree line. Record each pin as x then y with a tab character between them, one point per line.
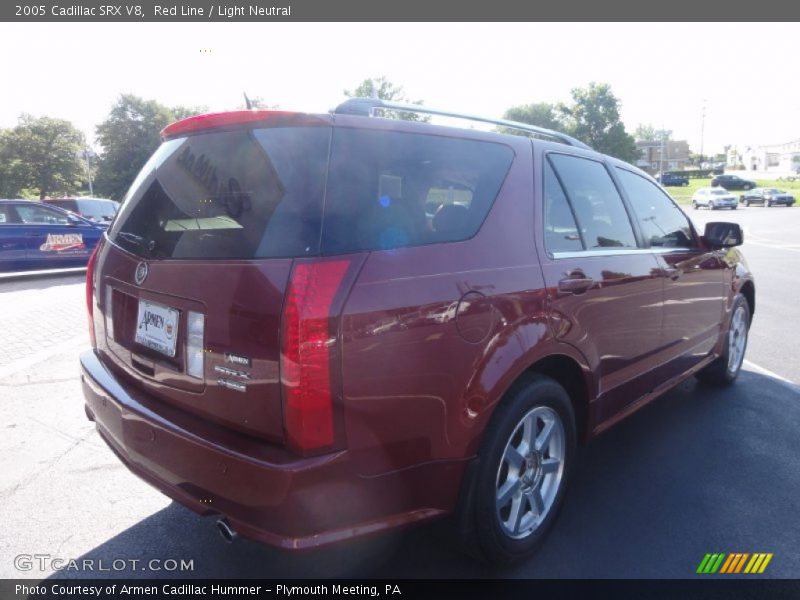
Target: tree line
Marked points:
44	156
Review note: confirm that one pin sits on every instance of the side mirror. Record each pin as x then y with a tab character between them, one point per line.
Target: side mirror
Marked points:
723	235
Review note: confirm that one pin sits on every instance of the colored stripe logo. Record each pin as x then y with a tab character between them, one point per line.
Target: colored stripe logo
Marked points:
735	562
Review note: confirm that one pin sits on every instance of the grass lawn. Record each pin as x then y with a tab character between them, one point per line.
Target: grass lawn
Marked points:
683	195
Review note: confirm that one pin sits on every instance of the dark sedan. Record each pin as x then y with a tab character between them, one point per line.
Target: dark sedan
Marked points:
98	210
732	182
668	179
36	236
767	197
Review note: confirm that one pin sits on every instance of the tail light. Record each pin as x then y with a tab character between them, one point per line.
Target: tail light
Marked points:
90	287
307	341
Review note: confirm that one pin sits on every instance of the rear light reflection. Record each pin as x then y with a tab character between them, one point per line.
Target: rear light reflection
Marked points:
195	360
90	289
109	312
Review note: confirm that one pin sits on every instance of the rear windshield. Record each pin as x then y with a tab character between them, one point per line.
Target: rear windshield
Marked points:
263	193
99	210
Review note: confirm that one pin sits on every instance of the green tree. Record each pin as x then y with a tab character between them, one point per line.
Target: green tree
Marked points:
541	114
382	88
648	133
129	135
593	118
40	156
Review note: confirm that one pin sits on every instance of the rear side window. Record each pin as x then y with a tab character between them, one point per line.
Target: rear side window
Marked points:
596	203
389	189
235	195
663	223
560	229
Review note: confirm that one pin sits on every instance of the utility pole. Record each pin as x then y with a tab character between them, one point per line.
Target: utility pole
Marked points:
87	155
702	131
661	165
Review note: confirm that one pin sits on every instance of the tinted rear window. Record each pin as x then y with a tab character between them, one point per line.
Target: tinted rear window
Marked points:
236	194
260	193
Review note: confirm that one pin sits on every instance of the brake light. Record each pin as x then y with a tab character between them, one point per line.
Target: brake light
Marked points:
90	290
238	117
307	339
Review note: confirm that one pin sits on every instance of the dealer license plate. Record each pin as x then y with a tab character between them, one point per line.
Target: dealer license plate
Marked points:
157	327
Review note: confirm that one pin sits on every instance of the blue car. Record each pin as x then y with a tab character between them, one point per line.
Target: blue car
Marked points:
672	179
36	236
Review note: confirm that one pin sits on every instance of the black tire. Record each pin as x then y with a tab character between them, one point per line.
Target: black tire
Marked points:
721	372
747	203
768	203
733	207
529	404
711	205
694	205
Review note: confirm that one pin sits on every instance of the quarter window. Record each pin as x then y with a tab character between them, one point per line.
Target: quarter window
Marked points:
601	216
560	230
663	223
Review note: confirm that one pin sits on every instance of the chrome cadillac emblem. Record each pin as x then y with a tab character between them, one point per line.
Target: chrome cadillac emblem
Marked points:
141	273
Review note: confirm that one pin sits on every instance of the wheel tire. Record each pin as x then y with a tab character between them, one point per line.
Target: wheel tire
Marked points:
511	528
694	205
712	206
725	369
768	203
734	207
747	203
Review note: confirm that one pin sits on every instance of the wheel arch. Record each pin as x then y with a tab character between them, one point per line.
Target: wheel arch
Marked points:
748	290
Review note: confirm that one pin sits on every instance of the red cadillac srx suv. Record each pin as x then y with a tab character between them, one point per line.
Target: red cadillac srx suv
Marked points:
320	326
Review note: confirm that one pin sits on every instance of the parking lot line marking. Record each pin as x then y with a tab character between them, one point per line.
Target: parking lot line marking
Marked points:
764	371
42	355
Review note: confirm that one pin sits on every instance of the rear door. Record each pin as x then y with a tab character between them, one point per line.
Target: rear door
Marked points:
605	291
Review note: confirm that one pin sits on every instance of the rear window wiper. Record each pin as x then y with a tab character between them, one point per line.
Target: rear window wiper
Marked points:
144	244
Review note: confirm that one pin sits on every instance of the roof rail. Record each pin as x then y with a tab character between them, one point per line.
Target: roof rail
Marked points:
366	107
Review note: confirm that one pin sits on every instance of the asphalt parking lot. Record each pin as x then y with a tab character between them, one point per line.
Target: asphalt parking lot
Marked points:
699	471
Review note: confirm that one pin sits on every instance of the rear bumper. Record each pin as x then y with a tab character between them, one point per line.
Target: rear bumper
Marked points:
267	493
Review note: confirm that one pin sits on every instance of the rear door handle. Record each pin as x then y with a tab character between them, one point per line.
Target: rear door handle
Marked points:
575	283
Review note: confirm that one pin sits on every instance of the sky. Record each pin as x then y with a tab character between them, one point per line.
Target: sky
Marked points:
664	74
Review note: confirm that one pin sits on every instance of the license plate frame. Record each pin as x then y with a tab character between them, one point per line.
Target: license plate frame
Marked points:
157	327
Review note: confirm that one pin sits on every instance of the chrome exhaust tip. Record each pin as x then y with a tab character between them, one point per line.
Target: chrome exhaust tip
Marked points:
226	531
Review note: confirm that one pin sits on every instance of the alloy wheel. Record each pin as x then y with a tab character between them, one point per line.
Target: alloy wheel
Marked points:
530	472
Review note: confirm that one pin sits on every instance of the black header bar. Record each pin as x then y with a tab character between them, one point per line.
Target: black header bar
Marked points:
405	10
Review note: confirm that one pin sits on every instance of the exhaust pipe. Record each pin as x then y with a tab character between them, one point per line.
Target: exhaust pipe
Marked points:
226	531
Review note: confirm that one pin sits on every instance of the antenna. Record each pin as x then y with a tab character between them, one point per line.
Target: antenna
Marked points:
247	102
